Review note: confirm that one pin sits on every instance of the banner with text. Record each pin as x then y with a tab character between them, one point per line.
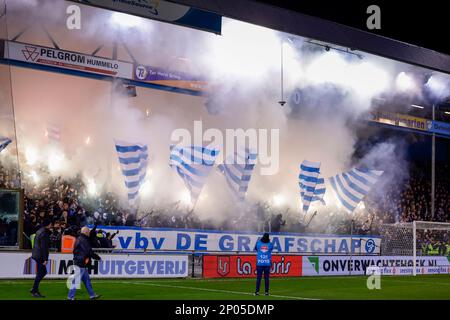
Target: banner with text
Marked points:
208	240
66	59
389	265
441	128
50	58
20	265
401	120
167	78
244	266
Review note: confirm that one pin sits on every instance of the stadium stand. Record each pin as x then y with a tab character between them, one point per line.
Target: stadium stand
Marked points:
66	203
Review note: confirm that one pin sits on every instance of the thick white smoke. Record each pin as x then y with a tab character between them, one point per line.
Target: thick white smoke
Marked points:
243	68
439	86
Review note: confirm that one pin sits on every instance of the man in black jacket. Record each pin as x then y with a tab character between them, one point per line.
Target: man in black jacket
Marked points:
40	255
82	255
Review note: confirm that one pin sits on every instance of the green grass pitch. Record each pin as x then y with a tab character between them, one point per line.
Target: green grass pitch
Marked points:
392	287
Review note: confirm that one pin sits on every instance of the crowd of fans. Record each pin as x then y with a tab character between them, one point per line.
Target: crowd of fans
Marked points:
413	201
66	203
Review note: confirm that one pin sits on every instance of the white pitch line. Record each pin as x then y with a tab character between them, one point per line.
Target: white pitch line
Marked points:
421	282
300	278
212	290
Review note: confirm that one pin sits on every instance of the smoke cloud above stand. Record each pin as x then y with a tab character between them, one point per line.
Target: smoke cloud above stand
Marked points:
336	90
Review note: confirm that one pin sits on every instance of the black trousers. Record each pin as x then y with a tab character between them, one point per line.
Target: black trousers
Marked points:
40	274
259	273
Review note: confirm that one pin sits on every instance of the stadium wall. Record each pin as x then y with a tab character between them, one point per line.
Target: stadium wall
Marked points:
20	265
243	266
389	265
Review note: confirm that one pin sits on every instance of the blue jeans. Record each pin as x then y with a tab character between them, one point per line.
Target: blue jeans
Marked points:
259	272
84	275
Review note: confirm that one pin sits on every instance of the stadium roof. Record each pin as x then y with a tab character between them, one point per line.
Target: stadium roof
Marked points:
311	27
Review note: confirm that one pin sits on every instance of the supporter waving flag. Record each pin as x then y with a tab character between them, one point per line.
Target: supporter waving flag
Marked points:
4	142
309	181
133	159
193	164
352	186
319	190
237	170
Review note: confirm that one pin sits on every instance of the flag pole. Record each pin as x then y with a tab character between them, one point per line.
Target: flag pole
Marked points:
312	217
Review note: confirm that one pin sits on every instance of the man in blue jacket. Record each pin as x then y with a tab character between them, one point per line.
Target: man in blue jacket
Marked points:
263	262
82	255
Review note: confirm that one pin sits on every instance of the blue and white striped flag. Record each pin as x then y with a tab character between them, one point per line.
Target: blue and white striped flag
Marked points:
319	190
193	164
237	170
133	159
4	143
308	181
351	187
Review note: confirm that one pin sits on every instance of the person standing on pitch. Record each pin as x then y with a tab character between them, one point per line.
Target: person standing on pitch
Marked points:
263	262
82	255
40	255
